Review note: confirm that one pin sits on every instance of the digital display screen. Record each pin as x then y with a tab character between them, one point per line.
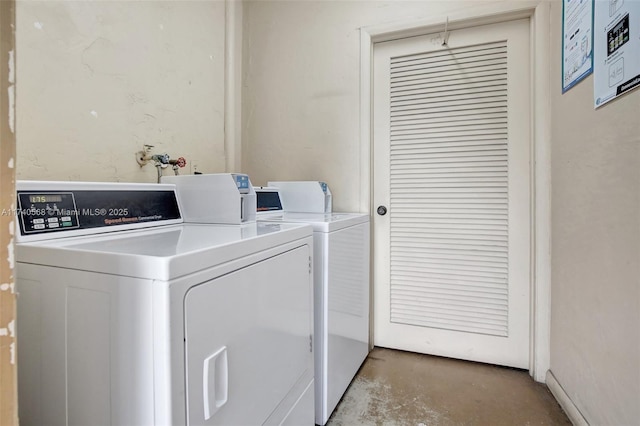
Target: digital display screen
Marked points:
618	35
268	201
45	198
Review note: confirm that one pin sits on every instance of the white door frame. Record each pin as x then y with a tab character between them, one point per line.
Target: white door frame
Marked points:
538	14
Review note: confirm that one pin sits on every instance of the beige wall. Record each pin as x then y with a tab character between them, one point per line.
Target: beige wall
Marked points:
100	79
301	99
595	347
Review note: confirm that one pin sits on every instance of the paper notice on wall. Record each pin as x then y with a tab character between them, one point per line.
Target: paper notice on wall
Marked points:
577	41
616	49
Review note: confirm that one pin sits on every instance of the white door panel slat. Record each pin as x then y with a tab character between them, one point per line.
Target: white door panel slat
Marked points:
454	83
409	110
455	238
460	216
432	60
450	311
448	140
447	96
443	269
448	121
477	67
463	50
440	166
488	131
463	234
467	259
450	65
428	184
460	117
449	285
455	213
489	309
451	57
427	129
403	150
439	100
462	60
412	148
478	156
433	321
457	317
457	91
406	243
452	226
415	278
407	175
462	319
498	269
451	75
497	129
494	314
448	241
487	77
462	158
444	112
410	279
451	182
442	97
495	137
407	223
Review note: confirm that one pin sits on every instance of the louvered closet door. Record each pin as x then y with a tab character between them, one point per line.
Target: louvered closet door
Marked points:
451	165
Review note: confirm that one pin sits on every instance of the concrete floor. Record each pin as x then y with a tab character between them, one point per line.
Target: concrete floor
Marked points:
403	388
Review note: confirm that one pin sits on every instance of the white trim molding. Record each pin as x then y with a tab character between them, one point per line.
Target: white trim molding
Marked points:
565	402
538	14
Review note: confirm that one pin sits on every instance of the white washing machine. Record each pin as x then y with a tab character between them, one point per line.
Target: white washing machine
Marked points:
341	293
127	316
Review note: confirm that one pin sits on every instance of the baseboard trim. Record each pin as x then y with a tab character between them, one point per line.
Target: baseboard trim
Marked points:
565	402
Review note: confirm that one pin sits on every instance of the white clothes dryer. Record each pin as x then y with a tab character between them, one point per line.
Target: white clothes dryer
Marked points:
341	295
128	316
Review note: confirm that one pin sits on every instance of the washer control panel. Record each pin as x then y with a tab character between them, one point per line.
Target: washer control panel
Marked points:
47	211
41	212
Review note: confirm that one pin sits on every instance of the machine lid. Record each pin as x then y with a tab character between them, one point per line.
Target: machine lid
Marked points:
321	222
161	253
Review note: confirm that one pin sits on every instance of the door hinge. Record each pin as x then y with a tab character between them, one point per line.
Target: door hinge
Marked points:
311	343
310	269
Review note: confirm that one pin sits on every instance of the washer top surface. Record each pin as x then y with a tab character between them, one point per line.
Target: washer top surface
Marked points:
161	253
321	222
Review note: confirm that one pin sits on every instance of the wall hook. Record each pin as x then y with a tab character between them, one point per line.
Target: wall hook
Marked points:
445	39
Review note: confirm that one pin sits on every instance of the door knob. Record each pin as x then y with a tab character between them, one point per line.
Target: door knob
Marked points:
382	210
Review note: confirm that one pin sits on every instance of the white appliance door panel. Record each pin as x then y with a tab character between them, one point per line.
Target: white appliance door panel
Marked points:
85	348
347	309
248	340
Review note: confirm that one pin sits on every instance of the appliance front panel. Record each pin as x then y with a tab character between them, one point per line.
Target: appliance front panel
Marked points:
248	336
